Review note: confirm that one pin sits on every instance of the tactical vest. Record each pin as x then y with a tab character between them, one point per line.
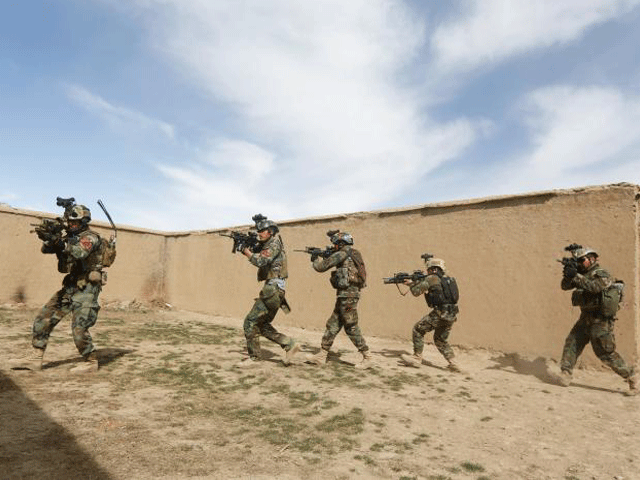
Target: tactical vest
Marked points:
449	295
278	266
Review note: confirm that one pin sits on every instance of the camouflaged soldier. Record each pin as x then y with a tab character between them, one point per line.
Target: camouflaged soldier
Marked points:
348	278
80	255
591	285
441	294
270	258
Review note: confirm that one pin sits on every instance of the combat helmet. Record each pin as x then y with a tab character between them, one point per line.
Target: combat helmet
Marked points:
263	223
435	262
79	213
578	253
338	237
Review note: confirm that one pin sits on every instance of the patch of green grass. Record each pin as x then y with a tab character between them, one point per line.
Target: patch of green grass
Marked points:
398	381
164	334
278	430
302	399
420	438
313	444
438	477
366	459
351	423
472	467
328	404
244	383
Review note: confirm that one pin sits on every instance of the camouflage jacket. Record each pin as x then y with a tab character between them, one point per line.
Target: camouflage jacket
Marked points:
271	260
588	287
81	256
341	259
425	285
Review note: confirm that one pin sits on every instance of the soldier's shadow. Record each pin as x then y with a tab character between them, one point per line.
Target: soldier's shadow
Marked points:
334	357
265	354
397	354
105	357
514	363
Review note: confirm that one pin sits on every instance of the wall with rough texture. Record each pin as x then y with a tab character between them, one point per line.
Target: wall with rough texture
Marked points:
28	275
502	250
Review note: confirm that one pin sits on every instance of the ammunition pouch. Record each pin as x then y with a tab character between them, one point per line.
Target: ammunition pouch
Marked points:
340	278
611	298
95	277
270	296
587	302
435	298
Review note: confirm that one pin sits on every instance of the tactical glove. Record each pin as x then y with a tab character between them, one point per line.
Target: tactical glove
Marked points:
570	271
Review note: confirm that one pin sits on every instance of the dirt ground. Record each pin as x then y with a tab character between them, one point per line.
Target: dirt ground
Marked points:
169	402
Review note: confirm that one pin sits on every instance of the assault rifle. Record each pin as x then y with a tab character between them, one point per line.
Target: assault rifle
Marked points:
242	240
570	260
402	276
52	231
316	252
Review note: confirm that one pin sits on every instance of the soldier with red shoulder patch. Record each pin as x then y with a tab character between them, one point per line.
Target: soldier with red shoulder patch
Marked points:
79	257
270	258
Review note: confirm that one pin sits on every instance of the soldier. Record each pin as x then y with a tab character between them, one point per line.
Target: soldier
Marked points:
591	285
80	255
348	278
270	258
441	294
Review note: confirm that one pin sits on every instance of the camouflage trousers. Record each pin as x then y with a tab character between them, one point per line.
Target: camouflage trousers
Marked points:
599	331
345	314
83	306
441	321
258	321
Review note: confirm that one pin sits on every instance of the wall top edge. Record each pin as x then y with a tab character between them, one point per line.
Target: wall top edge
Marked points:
474	202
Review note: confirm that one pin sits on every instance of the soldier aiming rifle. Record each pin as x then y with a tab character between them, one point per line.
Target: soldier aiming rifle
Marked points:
82	255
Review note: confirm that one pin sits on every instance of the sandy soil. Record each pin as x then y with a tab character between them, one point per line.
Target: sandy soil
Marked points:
169	402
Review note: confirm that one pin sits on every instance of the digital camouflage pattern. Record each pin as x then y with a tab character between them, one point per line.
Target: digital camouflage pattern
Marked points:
345	313
271	260
440	319
592	326
78	295
272	267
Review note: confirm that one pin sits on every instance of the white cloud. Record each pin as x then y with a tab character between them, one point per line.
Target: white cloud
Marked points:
496	29
6	197
579	136
118	117
315	83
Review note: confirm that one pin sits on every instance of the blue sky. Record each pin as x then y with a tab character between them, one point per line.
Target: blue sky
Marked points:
197	114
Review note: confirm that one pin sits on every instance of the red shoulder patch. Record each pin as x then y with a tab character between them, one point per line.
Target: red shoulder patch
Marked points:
86	243
265	253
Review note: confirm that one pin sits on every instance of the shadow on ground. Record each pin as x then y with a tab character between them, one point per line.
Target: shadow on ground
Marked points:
32	445
104	355
513	361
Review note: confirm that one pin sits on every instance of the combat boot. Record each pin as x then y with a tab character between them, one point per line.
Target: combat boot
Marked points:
288	356
366	361
564	379
414	360
248	362
90	364
319	358
634	385
454	366
32	360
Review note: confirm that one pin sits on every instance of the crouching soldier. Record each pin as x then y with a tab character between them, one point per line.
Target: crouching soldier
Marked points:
441	294
348	278
598	297
82	254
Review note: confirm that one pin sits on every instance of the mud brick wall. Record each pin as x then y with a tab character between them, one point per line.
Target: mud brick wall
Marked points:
502	250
